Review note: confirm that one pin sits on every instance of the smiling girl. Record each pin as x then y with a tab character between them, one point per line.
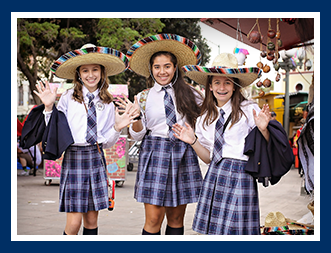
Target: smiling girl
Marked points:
168	176
228	203
83	181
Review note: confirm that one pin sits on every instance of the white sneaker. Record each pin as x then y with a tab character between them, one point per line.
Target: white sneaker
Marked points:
24	173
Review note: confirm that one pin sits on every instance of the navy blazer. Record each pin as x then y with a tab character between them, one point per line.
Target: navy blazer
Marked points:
56	137
268	161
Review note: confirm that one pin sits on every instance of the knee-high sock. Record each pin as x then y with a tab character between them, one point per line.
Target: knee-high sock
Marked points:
87	231
148	233
174	231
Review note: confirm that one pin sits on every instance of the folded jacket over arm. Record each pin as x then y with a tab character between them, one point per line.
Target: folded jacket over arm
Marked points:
55	137
268	161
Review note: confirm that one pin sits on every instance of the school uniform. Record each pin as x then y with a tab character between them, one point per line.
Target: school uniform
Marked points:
228	203
83	181
168	173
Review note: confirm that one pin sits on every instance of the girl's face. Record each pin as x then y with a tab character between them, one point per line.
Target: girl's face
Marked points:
163	69
222	88
90	75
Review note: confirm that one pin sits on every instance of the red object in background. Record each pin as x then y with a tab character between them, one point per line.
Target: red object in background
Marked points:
21	124
19	127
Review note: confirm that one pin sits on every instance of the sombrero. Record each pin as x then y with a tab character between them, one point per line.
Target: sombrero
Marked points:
277	224
224	64
140	53
114	61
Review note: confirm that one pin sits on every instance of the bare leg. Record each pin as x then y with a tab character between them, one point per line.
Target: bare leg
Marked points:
154	216
74	221
175	218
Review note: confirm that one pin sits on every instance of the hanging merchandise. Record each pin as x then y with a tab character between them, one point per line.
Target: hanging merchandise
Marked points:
255	36
290	21
240	53
278	44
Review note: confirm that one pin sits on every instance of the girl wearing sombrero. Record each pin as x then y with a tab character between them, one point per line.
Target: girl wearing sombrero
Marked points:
228	203
94	125
168	176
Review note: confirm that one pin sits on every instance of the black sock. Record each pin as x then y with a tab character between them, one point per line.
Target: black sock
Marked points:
87	231
148	233
174	231
64	233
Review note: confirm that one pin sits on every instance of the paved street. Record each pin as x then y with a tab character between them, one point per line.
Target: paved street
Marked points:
37	206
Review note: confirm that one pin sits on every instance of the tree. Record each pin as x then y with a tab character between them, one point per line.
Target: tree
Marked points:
36	47
189	28
41	41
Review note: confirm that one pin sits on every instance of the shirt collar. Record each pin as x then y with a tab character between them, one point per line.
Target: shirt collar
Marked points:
227	108
158	87
85	91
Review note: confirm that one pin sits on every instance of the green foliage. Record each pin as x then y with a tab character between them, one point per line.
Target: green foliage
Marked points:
43	40
112	33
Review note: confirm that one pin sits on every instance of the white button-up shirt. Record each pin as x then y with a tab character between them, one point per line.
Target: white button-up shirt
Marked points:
234	137
77	118
155	113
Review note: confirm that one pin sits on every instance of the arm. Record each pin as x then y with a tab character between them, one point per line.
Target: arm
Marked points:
262	120
186	134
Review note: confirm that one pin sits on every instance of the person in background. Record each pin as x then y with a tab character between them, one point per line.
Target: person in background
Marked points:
25	157
273	115
297	163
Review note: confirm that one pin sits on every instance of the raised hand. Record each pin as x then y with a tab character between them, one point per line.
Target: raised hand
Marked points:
46	94
262	120
123	103
126	118
184	133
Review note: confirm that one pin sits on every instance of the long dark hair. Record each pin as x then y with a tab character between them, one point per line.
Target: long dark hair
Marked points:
210	103
104	94
185	95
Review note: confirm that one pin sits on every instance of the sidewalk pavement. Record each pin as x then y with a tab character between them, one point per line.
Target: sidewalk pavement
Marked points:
37	206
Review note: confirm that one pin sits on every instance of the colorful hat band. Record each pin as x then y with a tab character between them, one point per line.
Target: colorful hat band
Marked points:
165	36
221	70
112	60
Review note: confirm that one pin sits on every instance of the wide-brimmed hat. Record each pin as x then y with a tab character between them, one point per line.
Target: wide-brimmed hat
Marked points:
225	64
113	60
277	224
140	53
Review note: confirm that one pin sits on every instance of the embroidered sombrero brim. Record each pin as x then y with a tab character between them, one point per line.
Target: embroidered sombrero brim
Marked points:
113	60
200	74
186	52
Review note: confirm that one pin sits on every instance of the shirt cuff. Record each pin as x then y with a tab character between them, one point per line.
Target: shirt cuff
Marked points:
137	136
47	116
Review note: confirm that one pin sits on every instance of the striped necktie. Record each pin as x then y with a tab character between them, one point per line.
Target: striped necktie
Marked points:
170	113
91	131
219	140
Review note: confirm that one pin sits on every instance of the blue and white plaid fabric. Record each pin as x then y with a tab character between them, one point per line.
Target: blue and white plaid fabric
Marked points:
170	112
91	131
228	204
168	175
83	180
219	140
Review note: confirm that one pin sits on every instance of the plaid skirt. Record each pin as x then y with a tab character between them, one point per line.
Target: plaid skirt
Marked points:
228	204
83	181
168	175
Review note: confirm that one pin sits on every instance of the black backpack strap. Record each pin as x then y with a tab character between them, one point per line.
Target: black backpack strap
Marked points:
227	122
